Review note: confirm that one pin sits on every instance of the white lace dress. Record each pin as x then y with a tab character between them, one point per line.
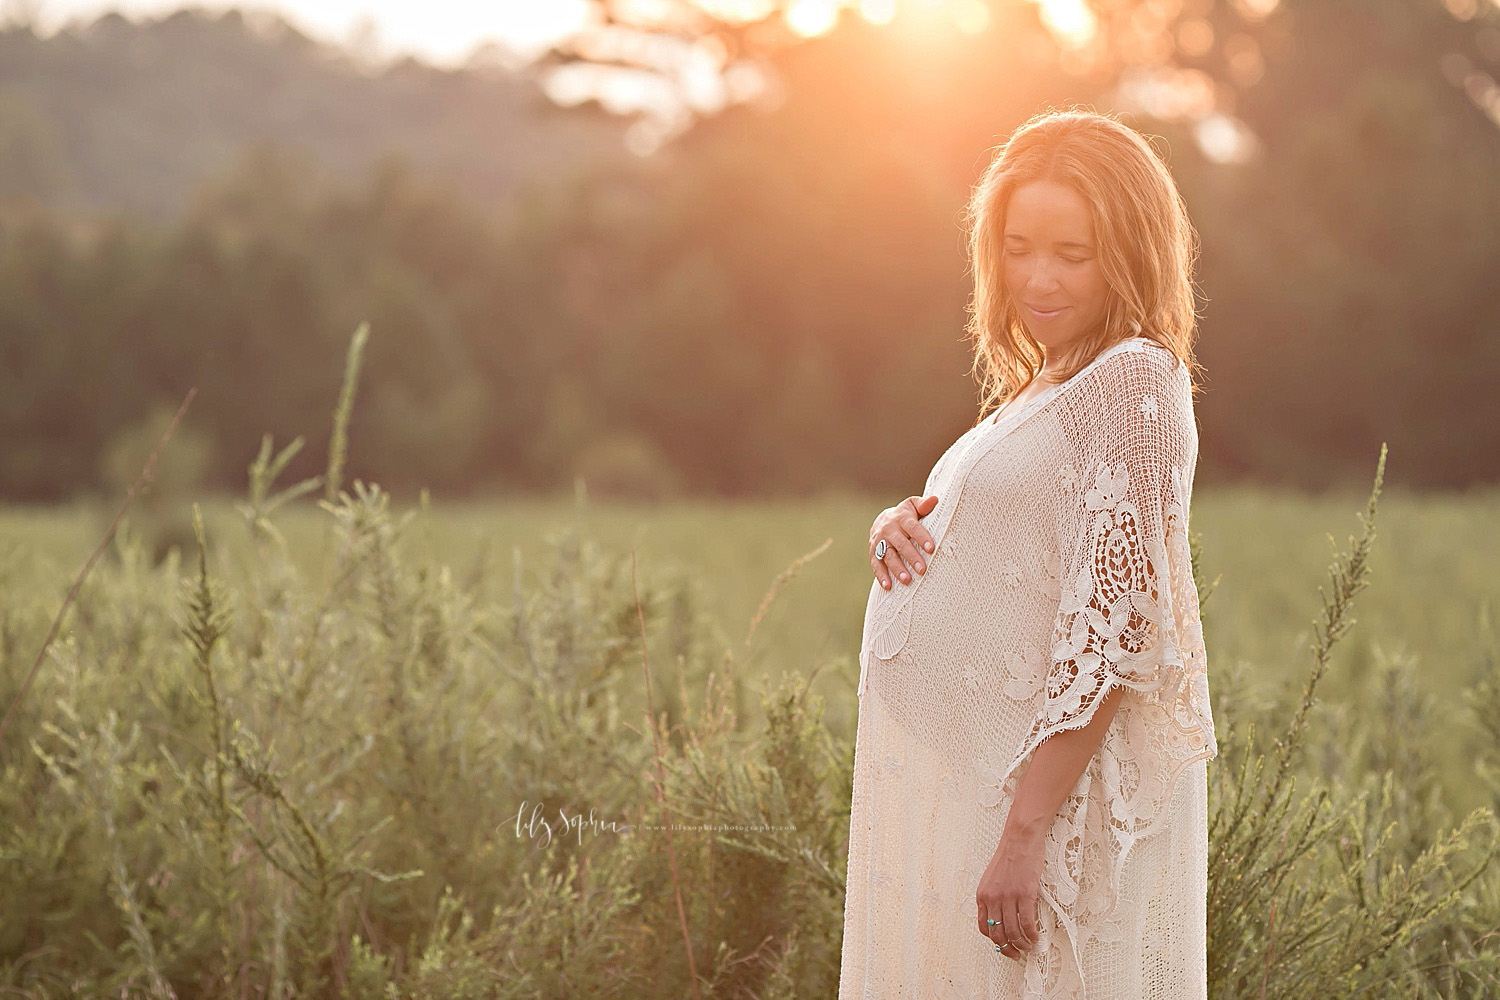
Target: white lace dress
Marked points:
1061	571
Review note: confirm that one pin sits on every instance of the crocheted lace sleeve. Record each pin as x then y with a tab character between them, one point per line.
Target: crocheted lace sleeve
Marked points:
1127	617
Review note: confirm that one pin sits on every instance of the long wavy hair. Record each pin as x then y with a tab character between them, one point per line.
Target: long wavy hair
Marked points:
1148	248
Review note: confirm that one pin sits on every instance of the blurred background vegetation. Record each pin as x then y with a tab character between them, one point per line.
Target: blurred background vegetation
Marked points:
764	298
689	287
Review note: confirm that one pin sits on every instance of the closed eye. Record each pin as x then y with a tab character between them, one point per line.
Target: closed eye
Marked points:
1070	260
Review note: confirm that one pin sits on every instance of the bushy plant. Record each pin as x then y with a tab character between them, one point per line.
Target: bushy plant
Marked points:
358	773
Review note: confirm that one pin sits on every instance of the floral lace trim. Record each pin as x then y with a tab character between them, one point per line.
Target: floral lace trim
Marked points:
1118	627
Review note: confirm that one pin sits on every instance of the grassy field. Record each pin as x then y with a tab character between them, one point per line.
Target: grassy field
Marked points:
1433	596
299	767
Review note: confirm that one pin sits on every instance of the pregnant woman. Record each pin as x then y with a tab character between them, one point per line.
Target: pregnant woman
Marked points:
1029	811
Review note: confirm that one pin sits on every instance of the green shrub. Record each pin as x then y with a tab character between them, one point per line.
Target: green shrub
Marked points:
356	775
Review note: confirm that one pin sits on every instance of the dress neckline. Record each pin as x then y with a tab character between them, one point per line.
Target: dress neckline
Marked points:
994	418
1006	415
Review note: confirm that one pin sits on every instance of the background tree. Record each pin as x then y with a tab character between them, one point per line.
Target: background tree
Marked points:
751	305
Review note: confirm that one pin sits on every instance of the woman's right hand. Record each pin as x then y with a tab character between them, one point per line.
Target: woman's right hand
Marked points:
903	534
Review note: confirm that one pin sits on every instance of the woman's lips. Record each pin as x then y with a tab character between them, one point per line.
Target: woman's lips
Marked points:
1046	315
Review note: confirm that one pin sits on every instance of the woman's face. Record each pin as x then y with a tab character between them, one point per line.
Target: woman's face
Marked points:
1051	264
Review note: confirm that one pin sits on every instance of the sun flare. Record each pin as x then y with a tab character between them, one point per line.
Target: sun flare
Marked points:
1072	21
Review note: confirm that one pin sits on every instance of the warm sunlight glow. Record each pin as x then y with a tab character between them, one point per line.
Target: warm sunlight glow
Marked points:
1224	139
928	21
812	17
971	16
640	11
743	11
1195	37
1256	10
1169	93
1246	64
1072	22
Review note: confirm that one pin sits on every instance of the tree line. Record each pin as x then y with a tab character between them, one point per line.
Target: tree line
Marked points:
773	303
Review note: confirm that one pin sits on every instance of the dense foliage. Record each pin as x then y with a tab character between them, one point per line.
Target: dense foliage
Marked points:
745	312
374	774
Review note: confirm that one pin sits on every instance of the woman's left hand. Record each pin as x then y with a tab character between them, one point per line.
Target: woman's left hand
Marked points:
1008	893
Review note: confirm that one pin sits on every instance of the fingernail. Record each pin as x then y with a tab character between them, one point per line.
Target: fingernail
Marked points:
903	577
927	546
920	568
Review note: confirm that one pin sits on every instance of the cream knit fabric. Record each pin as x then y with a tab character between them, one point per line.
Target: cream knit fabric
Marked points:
1061	570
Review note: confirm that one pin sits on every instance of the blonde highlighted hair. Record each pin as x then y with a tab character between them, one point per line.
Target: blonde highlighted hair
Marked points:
1147	247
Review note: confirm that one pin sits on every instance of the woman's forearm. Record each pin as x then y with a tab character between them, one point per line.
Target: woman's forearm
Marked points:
1056	765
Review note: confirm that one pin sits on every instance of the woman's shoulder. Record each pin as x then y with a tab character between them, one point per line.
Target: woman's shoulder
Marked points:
1144	349
1137	365
1141	392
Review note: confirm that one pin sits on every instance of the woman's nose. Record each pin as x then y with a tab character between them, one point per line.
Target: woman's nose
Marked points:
1042	279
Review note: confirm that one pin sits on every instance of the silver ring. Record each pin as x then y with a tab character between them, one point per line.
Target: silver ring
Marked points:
880	549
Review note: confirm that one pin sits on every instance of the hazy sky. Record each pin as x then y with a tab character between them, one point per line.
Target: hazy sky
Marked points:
445	32
442	31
